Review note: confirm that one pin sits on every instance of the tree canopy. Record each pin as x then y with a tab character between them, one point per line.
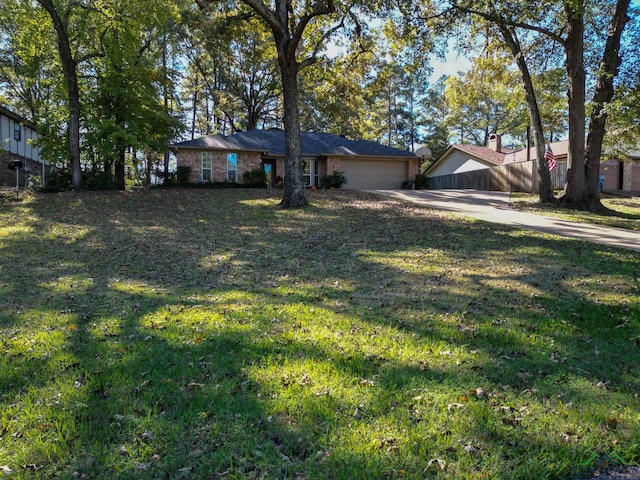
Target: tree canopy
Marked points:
117	80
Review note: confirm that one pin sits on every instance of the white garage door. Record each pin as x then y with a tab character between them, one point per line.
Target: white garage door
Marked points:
374	175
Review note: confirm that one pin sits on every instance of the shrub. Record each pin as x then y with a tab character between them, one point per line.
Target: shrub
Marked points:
58	181
256	177
97	180
335	180
182	174
421	182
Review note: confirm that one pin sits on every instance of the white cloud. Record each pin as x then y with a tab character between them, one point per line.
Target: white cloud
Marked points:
451	65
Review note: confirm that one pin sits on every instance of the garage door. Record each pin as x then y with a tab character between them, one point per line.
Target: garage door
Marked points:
374	175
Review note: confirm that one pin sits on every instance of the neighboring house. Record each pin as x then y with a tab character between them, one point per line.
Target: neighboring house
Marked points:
617	174
467	158
366	165
459	159
16	137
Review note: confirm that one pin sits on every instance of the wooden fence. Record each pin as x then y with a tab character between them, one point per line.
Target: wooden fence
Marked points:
514	177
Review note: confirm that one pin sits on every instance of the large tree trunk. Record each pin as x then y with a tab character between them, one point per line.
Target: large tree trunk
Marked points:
544	182
119	180
69	67
574	193
294	188
603	94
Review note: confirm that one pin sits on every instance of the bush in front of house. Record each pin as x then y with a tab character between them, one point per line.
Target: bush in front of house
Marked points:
334	180
421	182
58	180
255	178
182	174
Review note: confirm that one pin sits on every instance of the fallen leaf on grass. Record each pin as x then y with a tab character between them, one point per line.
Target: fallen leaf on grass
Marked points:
478	392
435	463
143	385
358	413
322	455
196	452
470	449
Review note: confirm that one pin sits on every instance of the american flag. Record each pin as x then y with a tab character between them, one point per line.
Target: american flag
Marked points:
550	158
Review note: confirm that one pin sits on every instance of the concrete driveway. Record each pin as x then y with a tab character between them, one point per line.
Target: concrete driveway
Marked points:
494	207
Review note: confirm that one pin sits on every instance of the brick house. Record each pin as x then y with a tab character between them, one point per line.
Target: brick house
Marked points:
366	165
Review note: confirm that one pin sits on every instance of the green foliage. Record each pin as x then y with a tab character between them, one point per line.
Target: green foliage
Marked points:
256	177
97	180
421	182
334	180
486	99
436	110
57	180
183	173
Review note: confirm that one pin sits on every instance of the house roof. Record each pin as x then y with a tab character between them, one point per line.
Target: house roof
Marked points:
559	150
18	118
483	153
272	142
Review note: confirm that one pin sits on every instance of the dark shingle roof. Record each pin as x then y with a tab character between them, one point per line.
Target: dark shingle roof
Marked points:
312	144
485	153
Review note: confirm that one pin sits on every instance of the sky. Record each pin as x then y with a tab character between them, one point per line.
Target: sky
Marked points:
451	65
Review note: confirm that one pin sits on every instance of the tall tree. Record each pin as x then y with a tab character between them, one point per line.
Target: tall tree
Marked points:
545	189
484	100
232	81
28	68
603	94
296	33
564	22
334	96
60	13
250	78
126	107
624	111
436	110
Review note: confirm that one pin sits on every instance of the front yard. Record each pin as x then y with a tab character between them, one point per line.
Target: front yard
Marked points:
624	211
208	334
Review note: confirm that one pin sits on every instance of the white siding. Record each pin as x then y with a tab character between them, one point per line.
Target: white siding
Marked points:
458	162
23	147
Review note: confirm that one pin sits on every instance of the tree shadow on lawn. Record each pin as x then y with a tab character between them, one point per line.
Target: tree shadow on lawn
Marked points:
176	359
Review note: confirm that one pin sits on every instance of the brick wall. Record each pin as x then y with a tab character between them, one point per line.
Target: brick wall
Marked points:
333	164
8	177
193	158
413	168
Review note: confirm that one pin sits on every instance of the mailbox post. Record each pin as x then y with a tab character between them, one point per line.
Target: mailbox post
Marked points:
16	165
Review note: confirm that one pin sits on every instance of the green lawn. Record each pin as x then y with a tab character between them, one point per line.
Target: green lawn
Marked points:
205	334
623	212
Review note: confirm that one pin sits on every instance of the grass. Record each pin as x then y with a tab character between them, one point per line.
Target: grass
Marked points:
208	334
623	212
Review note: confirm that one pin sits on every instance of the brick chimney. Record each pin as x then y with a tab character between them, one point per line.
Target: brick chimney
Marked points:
495	142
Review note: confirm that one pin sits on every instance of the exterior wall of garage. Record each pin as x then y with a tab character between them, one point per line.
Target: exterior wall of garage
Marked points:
375	174
392	172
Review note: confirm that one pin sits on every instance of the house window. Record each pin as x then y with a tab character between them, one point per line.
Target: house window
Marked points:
310	173
232	167
17	131
207	166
